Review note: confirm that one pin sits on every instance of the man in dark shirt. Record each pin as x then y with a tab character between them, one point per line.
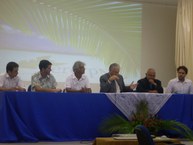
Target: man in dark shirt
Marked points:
149	83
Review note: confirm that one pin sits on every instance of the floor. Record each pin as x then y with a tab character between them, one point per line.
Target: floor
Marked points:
187	142
52	143
70	143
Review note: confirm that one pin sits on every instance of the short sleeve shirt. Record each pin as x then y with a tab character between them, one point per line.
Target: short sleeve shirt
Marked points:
7	82
73	83
47	82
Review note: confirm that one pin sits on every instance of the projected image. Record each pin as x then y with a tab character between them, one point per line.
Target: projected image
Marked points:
98	32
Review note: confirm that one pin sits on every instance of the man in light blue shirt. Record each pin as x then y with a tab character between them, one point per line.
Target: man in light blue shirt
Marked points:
180	85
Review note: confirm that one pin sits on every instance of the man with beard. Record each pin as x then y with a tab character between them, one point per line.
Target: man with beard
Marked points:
180	85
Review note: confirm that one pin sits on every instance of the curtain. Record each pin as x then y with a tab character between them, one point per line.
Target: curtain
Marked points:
184	36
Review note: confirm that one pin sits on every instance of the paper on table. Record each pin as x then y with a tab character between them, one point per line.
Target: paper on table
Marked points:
162	139
123	135
126	137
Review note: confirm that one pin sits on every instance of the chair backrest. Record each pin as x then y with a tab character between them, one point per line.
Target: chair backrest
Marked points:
143	135
29	88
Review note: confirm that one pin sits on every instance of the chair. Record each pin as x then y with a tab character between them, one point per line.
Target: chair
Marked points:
29	88
144	136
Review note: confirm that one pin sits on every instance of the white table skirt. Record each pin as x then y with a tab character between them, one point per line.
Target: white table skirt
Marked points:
126	102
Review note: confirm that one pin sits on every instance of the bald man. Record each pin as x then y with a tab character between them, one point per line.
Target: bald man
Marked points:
149	83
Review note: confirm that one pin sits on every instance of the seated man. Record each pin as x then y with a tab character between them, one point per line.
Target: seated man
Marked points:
9	81
112	82
149	83
180	85
43	81
78	81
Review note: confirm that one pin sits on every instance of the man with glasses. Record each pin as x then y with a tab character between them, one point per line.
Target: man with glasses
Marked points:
113	82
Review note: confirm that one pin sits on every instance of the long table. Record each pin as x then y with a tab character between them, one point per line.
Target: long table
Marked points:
31	116
112	141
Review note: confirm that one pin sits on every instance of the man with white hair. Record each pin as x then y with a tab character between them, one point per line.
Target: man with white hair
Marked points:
113	82
78	81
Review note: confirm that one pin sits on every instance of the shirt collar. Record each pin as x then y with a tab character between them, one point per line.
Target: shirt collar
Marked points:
7	76
185	81
74	77
40	76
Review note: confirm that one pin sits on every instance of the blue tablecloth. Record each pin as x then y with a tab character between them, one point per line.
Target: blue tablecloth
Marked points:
52	116
30	116
180	108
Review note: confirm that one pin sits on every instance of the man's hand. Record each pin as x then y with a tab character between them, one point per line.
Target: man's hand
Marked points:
152	81
153	91
57	90
113	77
17	88
86	90
132	85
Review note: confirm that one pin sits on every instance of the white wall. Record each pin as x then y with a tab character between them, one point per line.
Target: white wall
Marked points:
158	41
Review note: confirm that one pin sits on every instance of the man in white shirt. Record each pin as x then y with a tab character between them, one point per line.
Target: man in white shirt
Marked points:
78	81
180	85
9	81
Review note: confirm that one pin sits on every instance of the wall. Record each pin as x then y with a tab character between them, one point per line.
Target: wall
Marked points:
158	41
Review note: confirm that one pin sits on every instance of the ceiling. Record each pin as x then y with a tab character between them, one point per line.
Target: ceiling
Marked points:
162	2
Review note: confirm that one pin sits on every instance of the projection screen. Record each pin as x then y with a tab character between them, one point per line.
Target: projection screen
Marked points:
97	32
